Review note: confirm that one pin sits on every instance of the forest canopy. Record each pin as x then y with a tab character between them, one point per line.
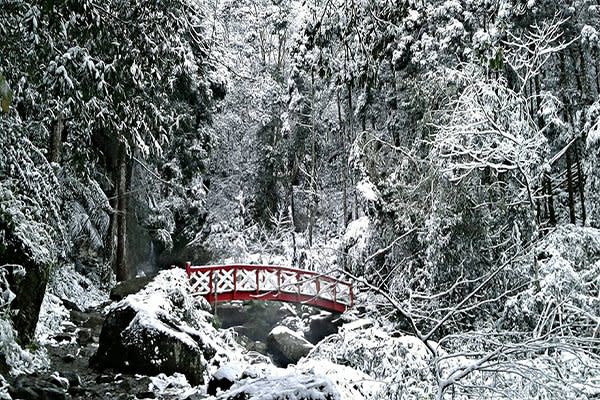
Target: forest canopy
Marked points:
441	153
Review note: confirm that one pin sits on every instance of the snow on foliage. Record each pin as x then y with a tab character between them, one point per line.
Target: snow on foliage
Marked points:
356	241
568	263
402	362
29	195
21	361
358	233
554	321
53	317
592	125
367	190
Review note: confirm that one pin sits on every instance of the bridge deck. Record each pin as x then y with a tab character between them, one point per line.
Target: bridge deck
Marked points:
219	283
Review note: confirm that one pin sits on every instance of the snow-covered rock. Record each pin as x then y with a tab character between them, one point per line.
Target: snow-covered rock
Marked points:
288	387
350	383
68	284
287	345
161	329
321	326
223	379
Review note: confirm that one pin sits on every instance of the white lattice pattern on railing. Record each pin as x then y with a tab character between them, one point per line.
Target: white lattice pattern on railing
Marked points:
288	281
343	293
267	280
224	280
200	282
246	280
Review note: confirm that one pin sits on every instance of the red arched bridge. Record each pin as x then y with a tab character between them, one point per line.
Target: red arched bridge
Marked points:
218	283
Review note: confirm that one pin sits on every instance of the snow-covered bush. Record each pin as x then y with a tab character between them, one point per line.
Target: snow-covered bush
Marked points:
591	163
30	194
357	240
568	264
401	361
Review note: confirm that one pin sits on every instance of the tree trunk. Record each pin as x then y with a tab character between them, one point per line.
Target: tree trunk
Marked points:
579	75
570	188
350	138
580	183
313	164
56	138
121	265
109	241
597	68
292	219
344	159
550	200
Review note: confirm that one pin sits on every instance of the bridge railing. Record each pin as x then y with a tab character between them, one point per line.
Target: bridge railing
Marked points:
269	282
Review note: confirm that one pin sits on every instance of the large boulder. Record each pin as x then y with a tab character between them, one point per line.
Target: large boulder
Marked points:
33	387
223	379
27	276
323	325
161	329
287	346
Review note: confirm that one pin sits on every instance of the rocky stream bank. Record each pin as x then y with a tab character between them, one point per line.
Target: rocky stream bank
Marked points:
154	340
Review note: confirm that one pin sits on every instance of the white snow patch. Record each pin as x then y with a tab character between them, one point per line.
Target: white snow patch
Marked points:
289	387
66	283
357	230
283	330
361	323
231	372
367	190
350	383
53	317
171	386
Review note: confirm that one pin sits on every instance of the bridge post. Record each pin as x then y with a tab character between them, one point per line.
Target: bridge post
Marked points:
335	292
234	280
188	269
257	282
298	286
278	281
